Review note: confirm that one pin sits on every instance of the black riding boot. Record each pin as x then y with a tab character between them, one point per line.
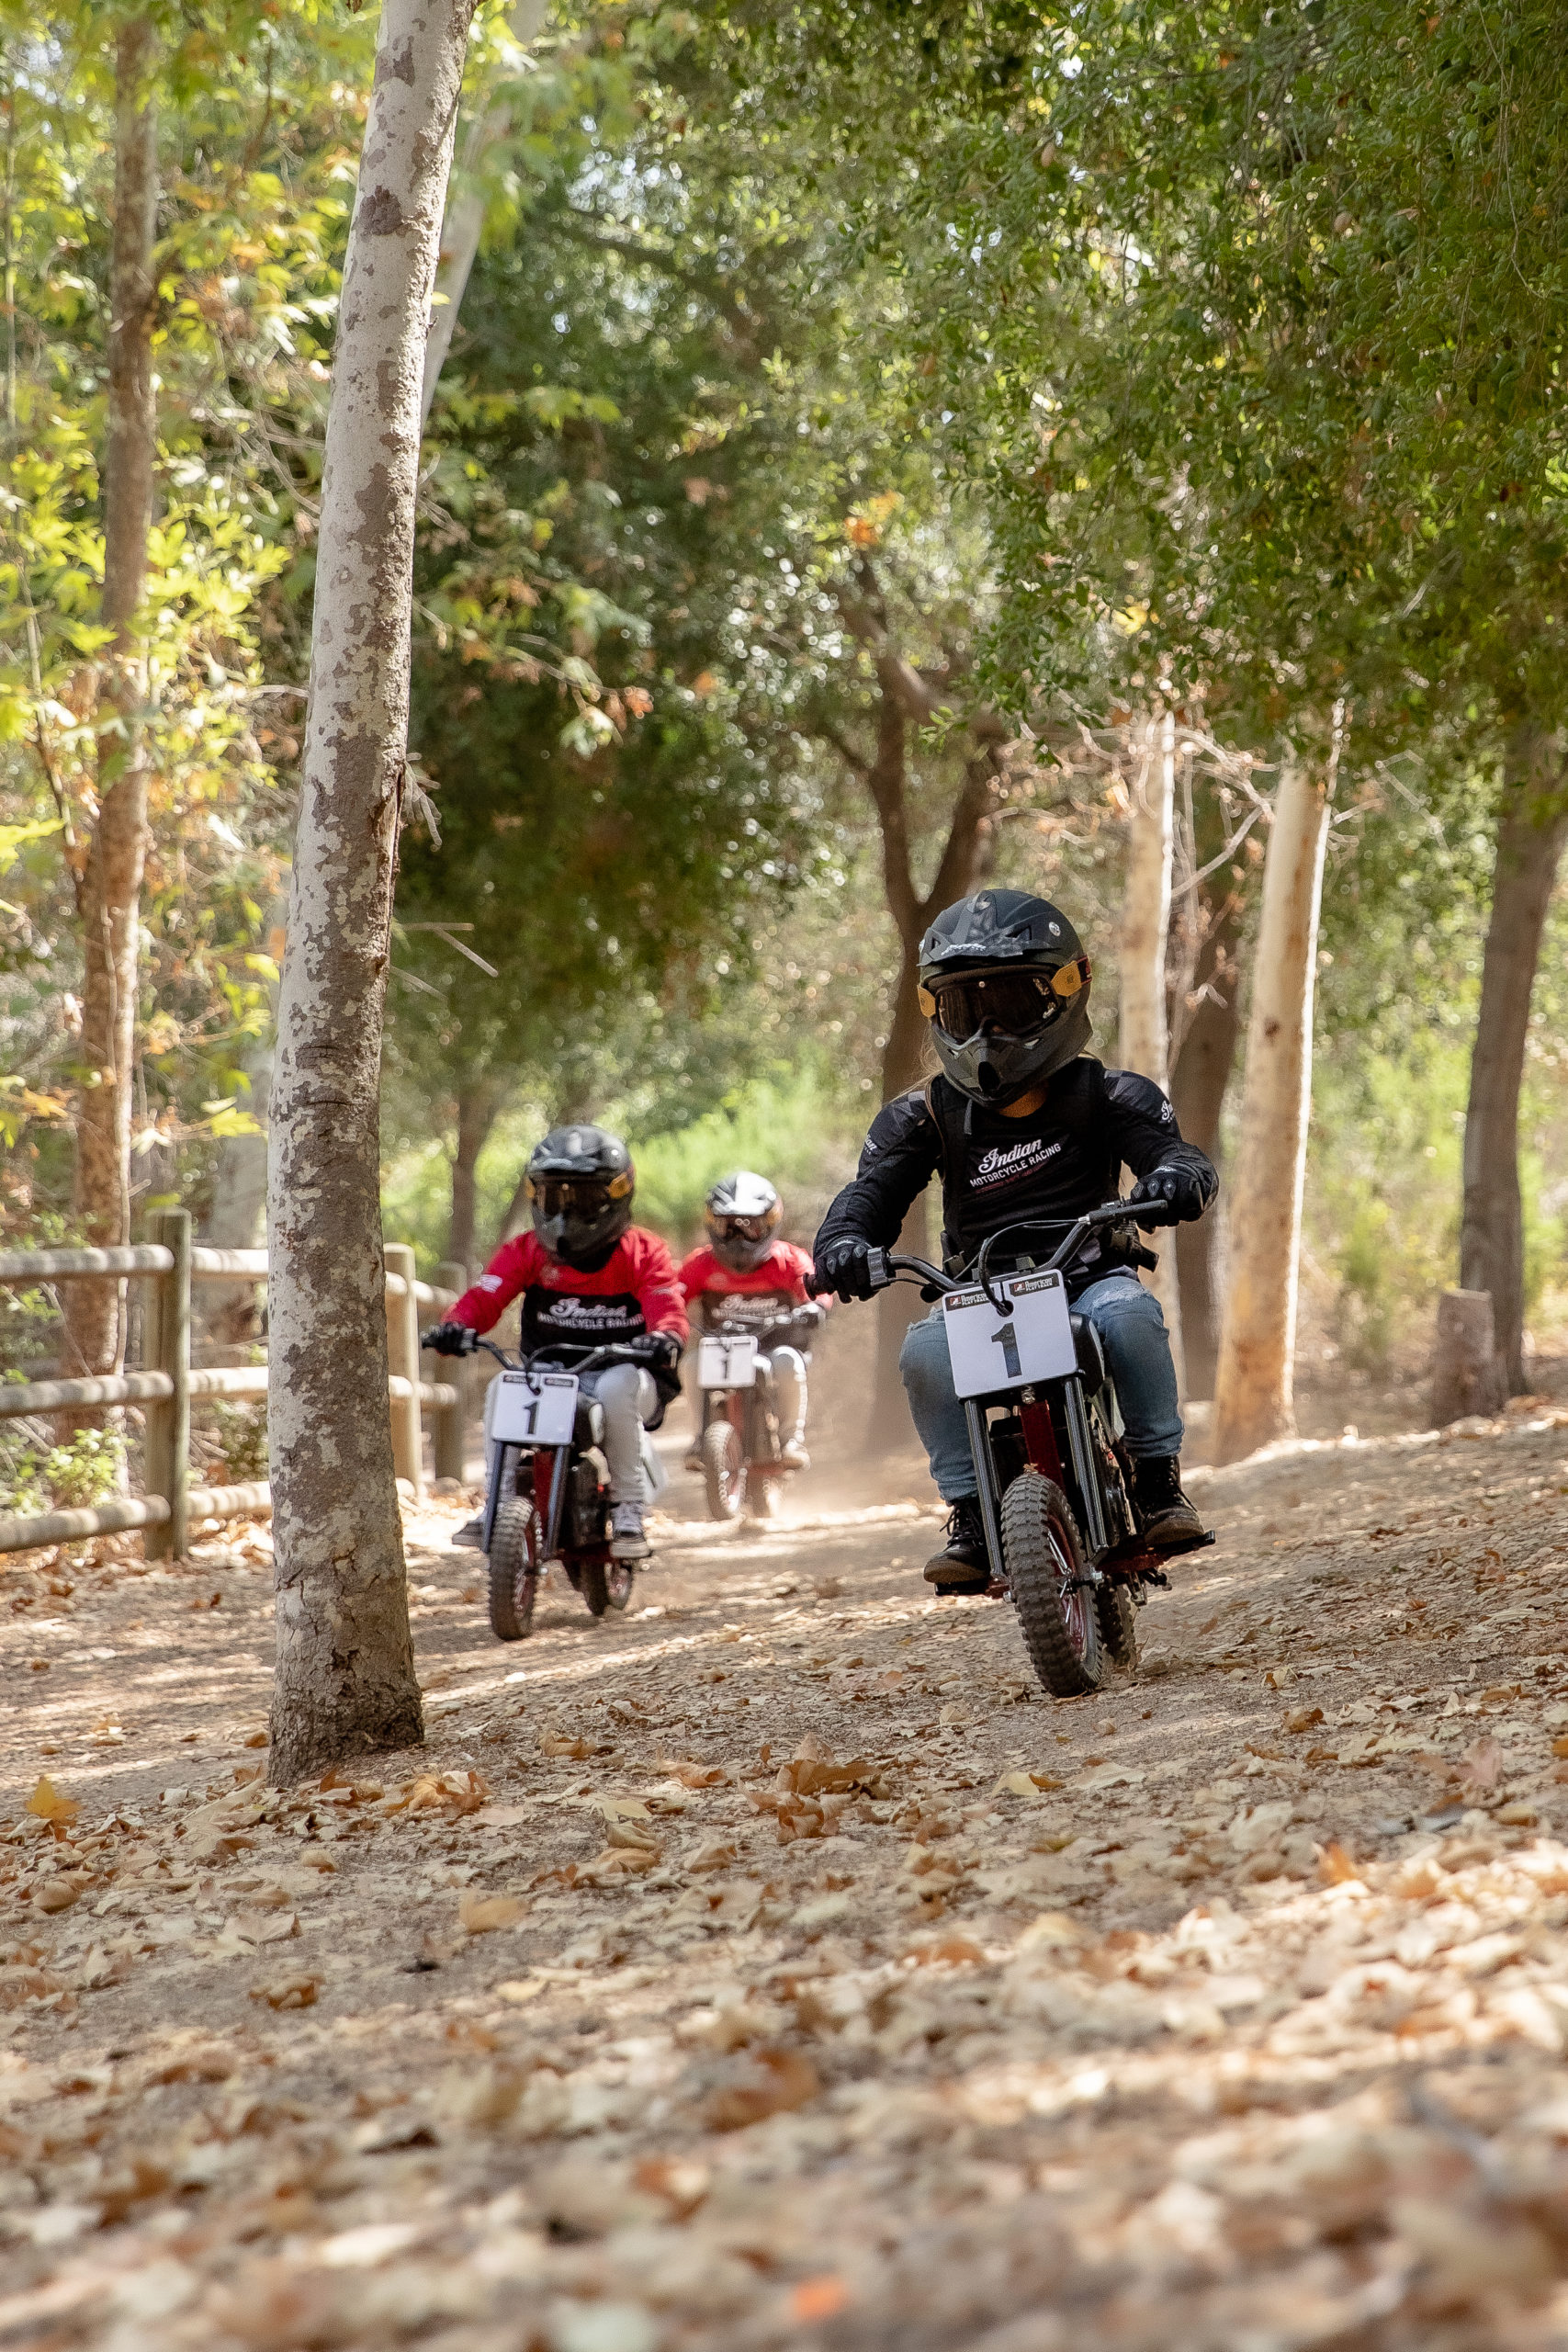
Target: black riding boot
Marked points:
1169	1519
964	1559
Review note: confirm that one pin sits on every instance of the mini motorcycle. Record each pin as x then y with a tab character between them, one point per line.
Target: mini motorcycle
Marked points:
741	1448
548	1493
1052	1469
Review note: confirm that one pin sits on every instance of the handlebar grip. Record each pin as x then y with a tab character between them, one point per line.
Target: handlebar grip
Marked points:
816	1287
878	1272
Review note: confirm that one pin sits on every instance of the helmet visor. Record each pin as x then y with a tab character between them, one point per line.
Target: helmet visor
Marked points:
741	1229
1005	1004
577	1196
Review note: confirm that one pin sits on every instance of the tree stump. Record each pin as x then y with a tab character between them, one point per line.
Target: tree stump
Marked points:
1468	1375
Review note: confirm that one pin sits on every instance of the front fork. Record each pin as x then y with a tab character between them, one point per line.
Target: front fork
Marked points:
1080	1448
549	1472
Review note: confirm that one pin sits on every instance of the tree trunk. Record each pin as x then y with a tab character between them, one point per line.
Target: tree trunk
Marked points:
237	1218
476	1107
1198	1086
903	1065
95	1339
465	219
1531	825
346	1680
1146	930
903	695
1253	1390
1467	1369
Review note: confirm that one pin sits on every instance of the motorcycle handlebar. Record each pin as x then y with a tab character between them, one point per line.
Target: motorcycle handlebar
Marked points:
590	1361
884	1266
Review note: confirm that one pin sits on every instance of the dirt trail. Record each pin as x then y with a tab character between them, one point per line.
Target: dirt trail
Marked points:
777	1967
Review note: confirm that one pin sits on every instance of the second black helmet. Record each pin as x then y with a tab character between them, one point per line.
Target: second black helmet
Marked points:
580	1186
1004	981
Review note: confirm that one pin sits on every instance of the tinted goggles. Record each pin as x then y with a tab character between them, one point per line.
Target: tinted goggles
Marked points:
568	1196
1011	1005
741	1229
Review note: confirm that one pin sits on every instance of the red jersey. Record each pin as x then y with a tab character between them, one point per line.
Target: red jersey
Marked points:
635	1291
761	1296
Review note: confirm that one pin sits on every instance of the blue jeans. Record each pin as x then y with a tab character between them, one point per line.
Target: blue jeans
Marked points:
1137	1354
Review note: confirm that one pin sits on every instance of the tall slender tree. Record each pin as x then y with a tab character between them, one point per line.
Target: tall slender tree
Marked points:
116	853
345	1679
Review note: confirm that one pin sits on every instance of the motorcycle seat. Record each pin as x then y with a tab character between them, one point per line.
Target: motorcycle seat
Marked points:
1090	1354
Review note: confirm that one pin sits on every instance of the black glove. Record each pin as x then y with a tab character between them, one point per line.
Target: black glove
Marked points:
845	1267
451	1340
659	1351
1166	1196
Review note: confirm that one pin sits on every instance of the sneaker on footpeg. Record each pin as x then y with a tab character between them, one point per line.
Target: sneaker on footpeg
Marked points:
627	1541
793	1450
470	1536
964	1560
1169	1519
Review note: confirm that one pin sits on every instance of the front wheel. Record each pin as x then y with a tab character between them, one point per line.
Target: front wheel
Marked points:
766	1495
514	1569
724	1469
1046	1570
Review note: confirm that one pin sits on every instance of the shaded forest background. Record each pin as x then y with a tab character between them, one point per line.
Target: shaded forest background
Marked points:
862	431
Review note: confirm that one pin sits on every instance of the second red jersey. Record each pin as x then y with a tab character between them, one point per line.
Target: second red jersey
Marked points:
758	1296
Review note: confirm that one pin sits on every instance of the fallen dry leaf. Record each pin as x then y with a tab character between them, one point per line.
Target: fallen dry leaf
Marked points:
1480	1766
1302	1718
288	1993
450	1793
518	1990
48	1804
770	2082
481	1915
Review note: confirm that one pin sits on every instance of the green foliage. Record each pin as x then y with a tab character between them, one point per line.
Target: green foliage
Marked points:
85	1470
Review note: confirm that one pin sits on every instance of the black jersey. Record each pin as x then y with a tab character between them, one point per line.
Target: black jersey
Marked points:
1055	1163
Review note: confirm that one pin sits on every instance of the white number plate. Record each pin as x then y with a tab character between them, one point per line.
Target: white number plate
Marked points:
538	1412
1033	1341
728	1363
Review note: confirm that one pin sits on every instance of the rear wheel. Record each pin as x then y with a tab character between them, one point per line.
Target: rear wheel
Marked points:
766	1495
1045	1571
514	1569
724	1469
1118	1618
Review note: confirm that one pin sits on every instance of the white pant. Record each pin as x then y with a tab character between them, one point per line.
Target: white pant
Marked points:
788	1368
629	1399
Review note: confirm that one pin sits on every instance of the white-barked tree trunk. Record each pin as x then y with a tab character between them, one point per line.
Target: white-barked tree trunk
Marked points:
1146	930
346	1680
1254	1400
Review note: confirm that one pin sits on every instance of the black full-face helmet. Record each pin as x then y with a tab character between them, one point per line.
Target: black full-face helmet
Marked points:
1004	982
581	1181
741	1213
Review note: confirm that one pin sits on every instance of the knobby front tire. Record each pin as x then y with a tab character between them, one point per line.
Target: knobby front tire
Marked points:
724	1469
514	1570
1045	1568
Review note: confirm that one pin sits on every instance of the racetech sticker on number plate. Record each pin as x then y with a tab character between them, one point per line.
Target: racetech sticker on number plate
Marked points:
1033	1341
538	1411
727	1363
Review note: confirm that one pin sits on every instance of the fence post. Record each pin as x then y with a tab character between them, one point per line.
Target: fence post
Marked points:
403	1362
168	1422
449	1430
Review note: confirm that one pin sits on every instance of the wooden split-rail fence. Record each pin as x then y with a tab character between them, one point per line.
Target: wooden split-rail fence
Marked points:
168	1385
